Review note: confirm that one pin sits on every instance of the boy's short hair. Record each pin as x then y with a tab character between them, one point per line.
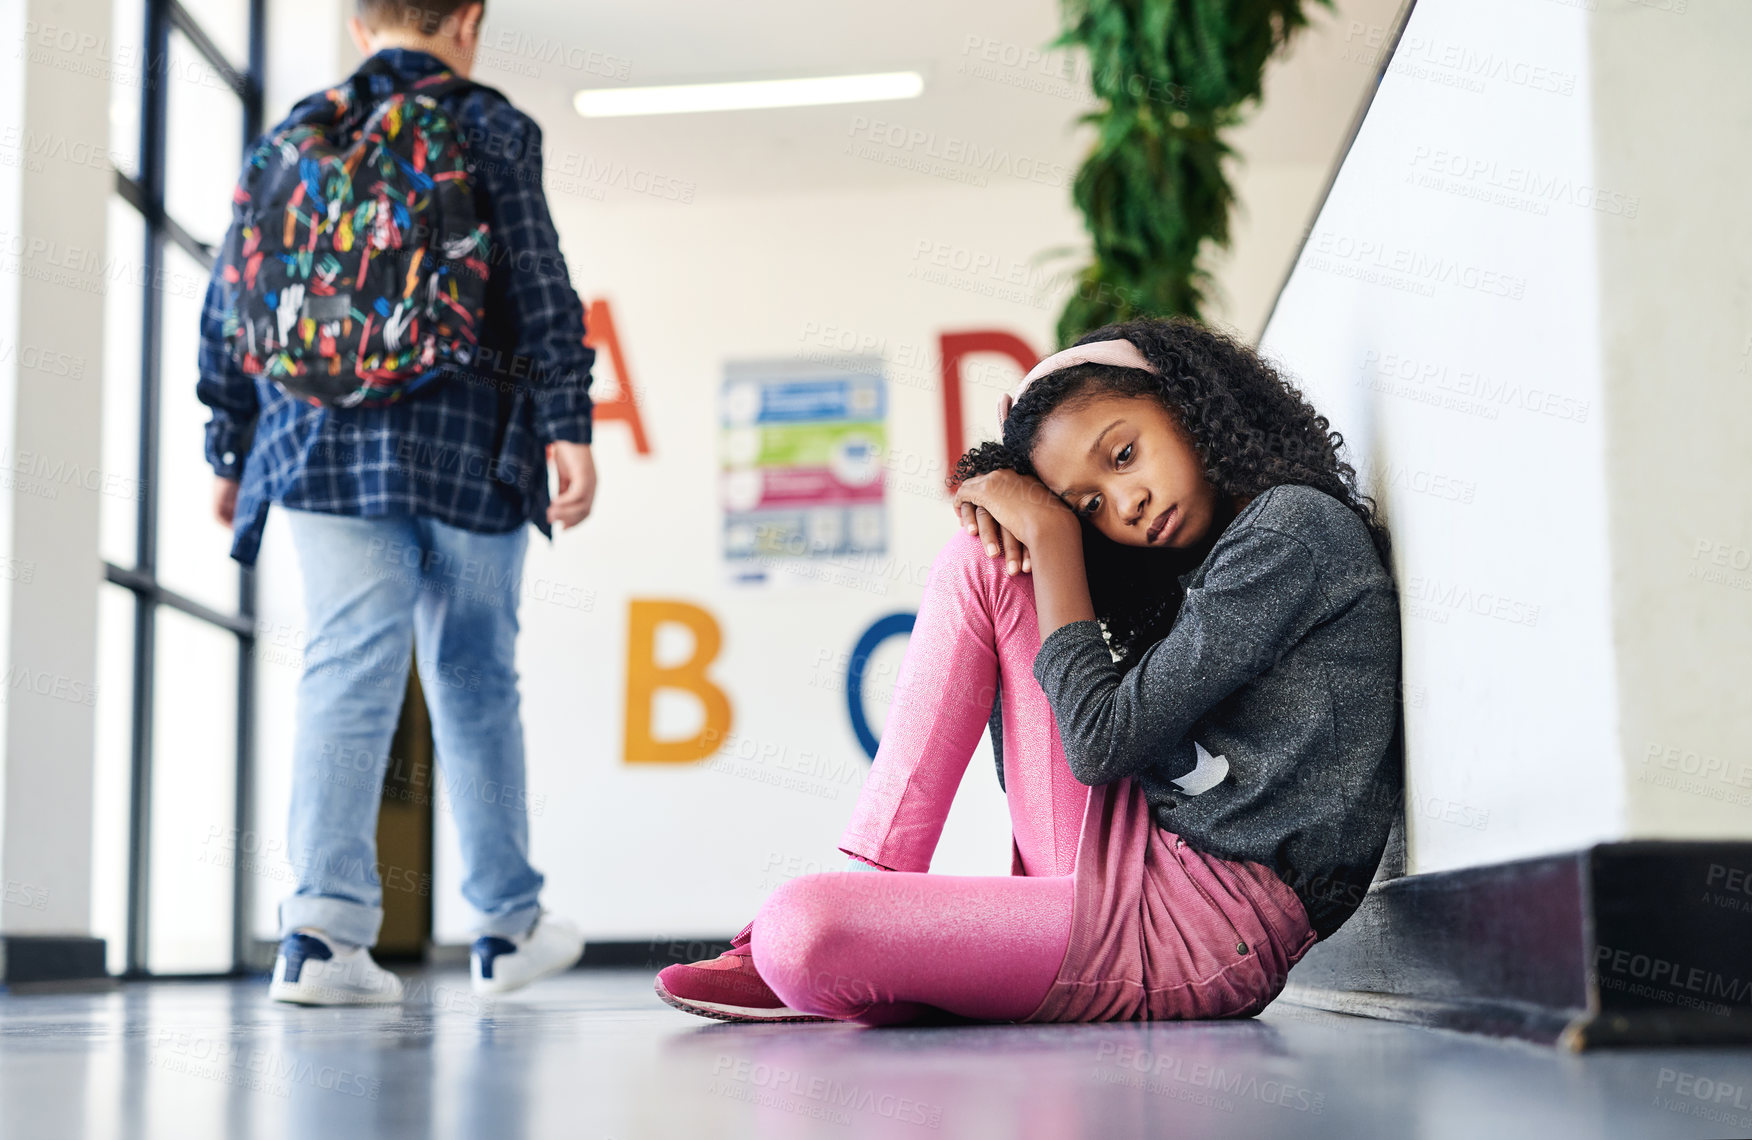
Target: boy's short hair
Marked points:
427	17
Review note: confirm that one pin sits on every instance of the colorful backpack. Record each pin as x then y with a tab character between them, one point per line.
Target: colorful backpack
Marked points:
356	265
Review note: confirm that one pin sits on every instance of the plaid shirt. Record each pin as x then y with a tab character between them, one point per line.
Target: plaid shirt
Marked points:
469	449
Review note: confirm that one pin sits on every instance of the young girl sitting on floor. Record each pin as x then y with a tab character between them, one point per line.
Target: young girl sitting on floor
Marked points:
1170	582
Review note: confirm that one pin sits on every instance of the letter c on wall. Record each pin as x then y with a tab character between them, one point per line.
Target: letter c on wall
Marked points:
883	628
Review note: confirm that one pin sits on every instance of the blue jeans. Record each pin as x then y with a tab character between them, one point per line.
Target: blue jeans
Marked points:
374	588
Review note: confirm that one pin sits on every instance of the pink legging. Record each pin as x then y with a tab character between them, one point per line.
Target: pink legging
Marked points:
879	948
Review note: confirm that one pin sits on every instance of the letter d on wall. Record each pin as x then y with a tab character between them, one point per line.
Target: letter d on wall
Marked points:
645	677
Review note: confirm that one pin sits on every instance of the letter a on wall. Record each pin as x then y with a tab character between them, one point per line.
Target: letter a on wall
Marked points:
645	677
599	332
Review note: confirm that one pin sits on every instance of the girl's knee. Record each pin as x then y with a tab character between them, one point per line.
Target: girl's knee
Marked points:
794	930
800	947
965	555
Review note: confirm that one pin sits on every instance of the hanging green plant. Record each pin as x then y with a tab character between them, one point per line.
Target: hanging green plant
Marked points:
1171	76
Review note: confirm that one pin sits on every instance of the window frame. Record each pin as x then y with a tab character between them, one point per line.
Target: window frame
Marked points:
146	194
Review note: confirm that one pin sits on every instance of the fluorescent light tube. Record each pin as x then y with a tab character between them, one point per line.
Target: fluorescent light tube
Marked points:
607	102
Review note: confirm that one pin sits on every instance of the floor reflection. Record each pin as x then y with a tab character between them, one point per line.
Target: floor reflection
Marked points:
594	1054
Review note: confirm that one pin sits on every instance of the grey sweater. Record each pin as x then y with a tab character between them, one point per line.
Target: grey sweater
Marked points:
1265	726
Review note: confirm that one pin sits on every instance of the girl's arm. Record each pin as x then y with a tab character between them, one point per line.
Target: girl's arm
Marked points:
1061	584
1260	595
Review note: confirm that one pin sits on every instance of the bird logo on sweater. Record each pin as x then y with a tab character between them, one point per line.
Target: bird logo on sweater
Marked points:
1205	775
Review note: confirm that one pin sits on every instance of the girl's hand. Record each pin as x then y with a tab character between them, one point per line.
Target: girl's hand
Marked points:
1008	511
978	521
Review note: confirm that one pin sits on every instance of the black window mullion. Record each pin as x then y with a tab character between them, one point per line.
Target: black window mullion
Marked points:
137	196
154	106
198	38
246	600
143	585
256	81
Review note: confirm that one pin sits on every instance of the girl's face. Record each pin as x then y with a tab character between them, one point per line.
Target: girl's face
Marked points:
1126	465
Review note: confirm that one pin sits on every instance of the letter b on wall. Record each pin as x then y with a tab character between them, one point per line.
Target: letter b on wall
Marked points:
645	677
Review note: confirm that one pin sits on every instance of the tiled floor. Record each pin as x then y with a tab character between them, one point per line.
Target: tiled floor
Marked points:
594	1054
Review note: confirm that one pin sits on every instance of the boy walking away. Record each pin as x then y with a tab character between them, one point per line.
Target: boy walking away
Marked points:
390	343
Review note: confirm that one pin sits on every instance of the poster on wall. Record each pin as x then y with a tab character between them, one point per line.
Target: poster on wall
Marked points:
801	446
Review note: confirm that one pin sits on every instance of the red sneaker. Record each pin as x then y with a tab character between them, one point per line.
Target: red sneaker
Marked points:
727	987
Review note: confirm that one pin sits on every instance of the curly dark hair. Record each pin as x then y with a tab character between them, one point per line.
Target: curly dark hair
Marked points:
1251	428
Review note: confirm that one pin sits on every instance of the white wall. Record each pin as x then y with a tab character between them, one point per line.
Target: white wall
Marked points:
12	19
1523	307
1285	151
52	214
742	281
1675	299
1435	317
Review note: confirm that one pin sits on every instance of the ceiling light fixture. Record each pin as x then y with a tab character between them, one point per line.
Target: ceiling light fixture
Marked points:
609	102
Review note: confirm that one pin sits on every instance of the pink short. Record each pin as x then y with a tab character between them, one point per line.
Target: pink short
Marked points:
1160	931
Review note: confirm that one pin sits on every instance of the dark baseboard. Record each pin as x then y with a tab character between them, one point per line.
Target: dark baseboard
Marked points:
1641	943
640	954
634	954
650	953
48	961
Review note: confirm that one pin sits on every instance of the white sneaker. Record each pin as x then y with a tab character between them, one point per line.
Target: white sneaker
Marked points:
500	965
313	970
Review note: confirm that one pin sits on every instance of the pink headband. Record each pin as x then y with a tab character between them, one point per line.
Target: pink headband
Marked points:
1119	353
